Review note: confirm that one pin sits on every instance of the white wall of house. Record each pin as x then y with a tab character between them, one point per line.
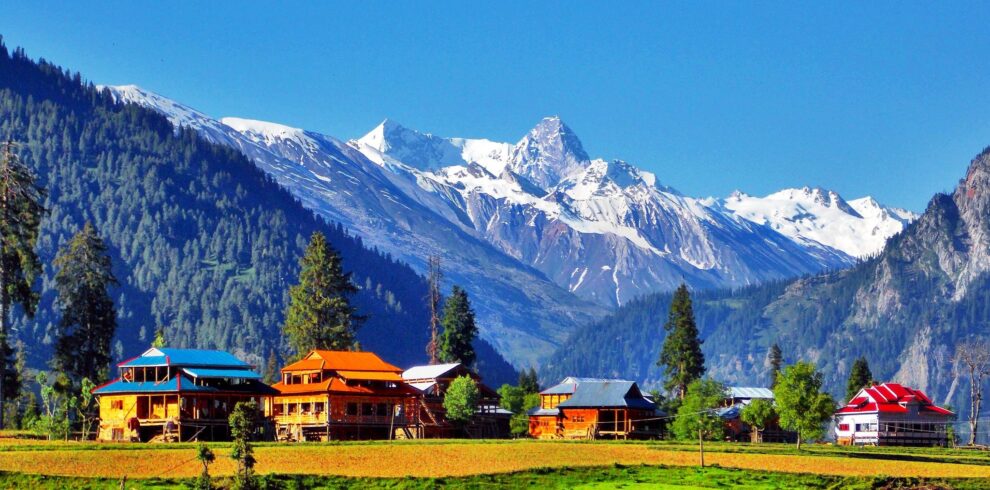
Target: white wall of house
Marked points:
868	428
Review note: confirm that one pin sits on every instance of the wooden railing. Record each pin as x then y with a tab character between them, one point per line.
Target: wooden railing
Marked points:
321	418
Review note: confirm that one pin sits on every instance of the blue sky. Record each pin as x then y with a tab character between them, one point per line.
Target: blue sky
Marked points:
888	99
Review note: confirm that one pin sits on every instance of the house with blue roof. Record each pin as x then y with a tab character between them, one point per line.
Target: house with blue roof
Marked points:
736	399
593	408
177	394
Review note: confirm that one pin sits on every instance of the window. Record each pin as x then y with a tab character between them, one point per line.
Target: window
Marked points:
352	409
318	407
367	409
382	410
117	404
843	427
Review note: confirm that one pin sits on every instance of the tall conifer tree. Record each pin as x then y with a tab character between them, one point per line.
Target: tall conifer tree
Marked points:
89	319
21	209
459	329
529	381
320	315
776	363
859	377
681	355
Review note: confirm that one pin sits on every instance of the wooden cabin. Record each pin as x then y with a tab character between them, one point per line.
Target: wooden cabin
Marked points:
341	395
891	414
432	381
591	408
176	394
736	399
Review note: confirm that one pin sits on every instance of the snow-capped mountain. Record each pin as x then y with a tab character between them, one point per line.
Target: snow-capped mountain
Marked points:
859	227
521	312
606	231
535	230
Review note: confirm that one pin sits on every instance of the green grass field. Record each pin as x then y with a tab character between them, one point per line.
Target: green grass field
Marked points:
607	477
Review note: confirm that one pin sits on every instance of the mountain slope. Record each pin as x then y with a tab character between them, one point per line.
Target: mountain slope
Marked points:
605	230
534	228
520	312
202	242
905	309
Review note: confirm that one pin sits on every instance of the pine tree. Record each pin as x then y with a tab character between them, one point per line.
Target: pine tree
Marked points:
859	377
434	297
776	363
271	369
459	329
319	315
89	319
528	381
681	355
21	210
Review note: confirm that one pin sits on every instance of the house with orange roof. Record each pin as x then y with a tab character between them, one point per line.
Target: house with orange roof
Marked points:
344	395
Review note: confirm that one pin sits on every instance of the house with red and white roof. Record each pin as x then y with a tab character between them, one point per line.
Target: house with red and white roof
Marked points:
890	414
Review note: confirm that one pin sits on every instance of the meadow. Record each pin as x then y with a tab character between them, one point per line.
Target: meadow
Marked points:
474	464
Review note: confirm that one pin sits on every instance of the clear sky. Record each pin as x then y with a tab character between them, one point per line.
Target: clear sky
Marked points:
890	99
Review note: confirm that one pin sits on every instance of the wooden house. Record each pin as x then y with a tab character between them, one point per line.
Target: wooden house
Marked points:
890	414
332	395
432	381
176	394
590	408
736	399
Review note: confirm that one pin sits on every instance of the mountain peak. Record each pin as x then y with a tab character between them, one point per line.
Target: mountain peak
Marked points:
552	130
420	150
549	153
384	135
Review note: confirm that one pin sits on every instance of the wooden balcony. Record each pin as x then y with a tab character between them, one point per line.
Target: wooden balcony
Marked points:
317	419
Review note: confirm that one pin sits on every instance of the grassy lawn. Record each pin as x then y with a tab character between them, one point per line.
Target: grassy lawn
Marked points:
489	464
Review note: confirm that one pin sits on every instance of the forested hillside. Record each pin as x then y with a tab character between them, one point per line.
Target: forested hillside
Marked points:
203	243
905	310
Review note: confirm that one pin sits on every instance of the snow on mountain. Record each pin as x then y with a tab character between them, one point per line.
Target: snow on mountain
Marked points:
424	151
548	154
859	228
605	230
406	212
536	228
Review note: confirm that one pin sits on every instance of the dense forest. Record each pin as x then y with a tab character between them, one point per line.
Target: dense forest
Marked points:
203	243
